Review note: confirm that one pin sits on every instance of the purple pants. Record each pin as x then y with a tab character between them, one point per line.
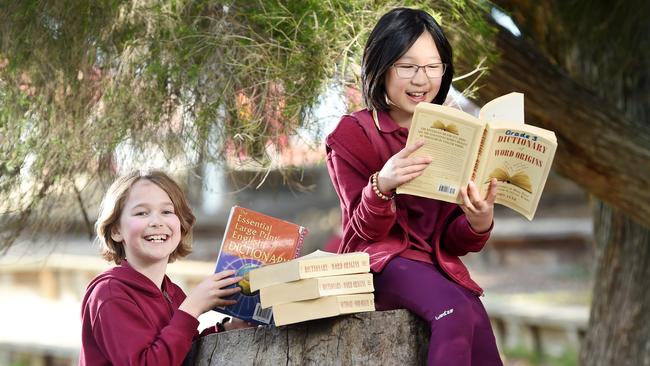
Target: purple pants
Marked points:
461	333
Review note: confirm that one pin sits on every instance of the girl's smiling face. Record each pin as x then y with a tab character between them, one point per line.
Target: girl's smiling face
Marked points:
405	93
148	226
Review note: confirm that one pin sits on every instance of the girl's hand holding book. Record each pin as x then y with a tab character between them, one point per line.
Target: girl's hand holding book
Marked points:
210	293
479	211
401	168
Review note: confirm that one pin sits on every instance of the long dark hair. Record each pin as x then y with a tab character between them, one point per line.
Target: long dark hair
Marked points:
391	38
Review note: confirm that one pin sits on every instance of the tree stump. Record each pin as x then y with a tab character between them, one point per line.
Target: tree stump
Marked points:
394	337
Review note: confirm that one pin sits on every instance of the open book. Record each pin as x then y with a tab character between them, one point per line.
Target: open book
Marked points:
497	144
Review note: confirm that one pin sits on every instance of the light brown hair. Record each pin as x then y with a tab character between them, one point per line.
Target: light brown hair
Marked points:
112	205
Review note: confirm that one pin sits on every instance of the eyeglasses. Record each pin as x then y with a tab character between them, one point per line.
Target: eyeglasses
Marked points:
432	71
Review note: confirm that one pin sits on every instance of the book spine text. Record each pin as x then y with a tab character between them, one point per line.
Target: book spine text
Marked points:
323	268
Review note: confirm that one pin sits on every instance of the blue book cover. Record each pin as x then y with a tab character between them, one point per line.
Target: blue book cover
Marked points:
251	240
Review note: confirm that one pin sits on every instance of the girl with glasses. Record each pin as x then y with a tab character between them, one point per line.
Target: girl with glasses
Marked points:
414	243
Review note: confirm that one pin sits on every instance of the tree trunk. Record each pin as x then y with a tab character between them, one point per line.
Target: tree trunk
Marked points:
394	337
600	149
619	329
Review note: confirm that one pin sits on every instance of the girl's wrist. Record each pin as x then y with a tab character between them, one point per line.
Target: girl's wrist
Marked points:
378	191
480	227
188	308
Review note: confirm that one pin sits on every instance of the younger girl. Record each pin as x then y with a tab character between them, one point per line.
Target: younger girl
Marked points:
133	314
414	243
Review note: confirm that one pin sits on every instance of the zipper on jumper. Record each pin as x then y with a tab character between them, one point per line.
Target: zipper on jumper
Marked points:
166	296
169	302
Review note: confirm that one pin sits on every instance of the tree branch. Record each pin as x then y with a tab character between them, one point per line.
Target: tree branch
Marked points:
84	212
598	148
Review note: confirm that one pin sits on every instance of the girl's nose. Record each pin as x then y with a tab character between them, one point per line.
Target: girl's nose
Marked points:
420	77
155	221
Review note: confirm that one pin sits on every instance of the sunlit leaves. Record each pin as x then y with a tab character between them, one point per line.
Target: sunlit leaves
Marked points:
83	82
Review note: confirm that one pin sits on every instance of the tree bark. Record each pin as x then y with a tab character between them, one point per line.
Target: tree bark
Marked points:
598	148
619	328
394	337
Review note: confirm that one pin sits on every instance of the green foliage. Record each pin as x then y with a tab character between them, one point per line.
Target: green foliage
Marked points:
607	32
83	82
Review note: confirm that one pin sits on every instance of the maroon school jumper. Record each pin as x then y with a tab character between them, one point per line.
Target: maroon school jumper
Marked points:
413	242
412	227
127	320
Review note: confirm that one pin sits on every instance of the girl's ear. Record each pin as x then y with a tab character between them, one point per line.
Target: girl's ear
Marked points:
116	235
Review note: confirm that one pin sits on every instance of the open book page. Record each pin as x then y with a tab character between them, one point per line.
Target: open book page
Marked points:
506	108
317	254
519	157
452	139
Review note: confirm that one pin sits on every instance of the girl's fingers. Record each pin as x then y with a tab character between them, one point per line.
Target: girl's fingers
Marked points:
410	177
223	274
228	291
492	192
420	160
405	163
222	302
474	196
467	204
411	164
412	169
408	173
408	150
227	282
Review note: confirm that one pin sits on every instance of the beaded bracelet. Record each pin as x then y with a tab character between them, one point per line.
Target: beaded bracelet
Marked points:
377	191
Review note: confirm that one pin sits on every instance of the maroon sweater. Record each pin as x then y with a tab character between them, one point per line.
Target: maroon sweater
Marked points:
127	320
413	227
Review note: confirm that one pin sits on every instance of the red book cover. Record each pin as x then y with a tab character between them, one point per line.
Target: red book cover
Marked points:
251	240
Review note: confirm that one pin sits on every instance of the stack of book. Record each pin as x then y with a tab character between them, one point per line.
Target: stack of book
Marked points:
318	285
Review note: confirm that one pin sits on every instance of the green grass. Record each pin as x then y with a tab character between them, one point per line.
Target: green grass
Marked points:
524	357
